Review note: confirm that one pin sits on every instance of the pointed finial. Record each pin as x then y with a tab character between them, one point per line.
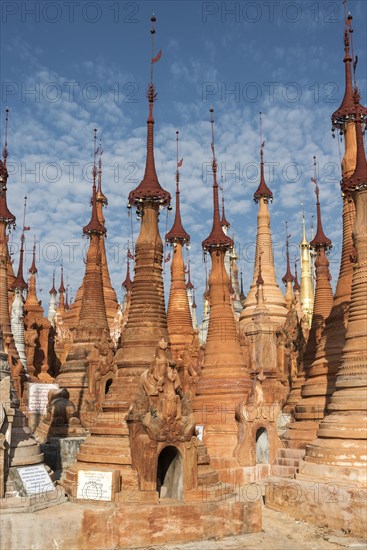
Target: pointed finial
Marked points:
223	222
177	232
189	285
53	289
263	190
5	149
127	284
62	287
217	237
19	282
33	270
320	240
296	283
94	226
242	294
260	280
288	277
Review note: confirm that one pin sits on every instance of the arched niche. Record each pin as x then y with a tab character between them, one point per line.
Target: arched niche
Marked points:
170	473
262	446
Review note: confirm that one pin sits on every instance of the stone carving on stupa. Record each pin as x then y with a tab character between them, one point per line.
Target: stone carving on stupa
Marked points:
160	405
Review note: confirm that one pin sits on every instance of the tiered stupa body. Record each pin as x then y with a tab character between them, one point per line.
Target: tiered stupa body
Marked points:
306	291
339	452
224	380
92	324
179	318
299	433
190	292
17	308
273	296
6	219
320	383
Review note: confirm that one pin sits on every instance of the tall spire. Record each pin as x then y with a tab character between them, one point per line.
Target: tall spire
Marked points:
320	239
358	178
19	282
94	226
177	232
263	190
217	237
346	109
275	301
189	285
242	294
149	189
179	312
5	215
53	290
224	378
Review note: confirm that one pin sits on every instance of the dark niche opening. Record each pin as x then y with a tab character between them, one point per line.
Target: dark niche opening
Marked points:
262	446
169	473
107	386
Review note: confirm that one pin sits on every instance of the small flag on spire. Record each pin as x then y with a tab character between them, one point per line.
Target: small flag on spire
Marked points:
180	163
157	57
168	258
129	255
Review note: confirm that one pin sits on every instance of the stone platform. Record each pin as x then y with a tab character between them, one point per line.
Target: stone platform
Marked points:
106	526
333	505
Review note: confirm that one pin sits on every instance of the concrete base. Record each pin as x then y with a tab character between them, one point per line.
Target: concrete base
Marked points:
60	453
331	505
14	505
127	526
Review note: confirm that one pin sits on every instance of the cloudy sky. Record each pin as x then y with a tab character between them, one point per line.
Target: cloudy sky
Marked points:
68	67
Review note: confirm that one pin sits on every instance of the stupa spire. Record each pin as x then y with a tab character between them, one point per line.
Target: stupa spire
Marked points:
217	237
275	301
19	282
320	239
189	285
94	226
5	215
339	451
149	189
53	290
263	190
31	303
179	313
177	232
224	378
127	284
6	219
147	320
242	294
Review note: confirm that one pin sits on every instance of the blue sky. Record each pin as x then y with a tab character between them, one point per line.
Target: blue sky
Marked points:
88	65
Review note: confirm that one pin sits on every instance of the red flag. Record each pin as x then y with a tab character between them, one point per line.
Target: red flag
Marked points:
26	228
129	255
157	57
168	258
179	164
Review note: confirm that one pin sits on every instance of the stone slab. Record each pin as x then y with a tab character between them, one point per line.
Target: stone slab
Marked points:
60	453
35	480
331	505
97	484
38	397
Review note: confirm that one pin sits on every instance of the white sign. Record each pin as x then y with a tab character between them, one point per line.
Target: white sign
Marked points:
94	485
38	397
200	432
35	479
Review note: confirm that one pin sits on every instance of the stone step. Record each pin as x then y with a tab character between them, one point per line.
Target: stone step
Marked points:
283	471
287	462
291	453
